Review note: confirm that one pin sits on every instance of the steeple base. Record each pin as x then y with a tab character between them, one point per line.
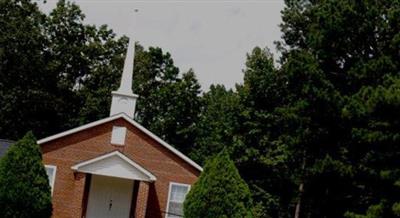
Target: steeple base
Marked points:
123	103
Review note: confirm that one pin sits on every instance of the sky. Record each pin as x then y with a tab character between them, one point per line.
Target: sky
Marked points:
211	37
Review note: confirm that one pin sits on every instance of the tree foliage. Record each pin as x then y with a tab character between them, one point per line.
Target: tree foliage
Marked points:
24	186
23	93
219	191
59	73
218	120
323	125
315	135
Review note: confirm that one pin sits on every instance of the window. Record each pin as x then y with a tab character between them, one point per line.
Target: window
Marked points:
176	196
51	173
118	135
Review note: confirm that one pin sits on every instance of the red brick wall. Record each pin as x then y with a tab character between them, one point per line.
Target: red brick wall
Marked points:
70	150
142	199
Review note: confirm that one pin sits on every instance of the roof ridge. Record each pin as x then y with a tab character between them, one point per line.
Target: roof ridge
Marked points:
132	122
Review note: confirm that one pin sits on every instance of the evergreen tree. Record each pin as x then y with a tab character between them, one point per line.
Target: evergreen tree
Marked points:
24	186
218	120
375	136
258	147
352	48
219	191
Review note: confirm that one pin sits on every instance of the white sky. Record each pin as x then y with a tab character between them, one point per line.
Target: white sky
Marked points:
212	37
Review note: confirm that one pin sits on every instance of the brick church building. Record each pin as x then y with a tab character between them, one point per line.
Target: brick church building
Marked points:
116	168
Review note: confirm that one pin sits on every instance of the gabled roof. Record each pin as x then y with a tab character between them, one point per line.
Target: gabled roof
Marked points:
4	145
129	120
114	164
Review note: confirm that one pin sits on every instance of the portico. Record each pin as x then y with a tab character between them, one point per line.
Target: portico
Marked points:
115	187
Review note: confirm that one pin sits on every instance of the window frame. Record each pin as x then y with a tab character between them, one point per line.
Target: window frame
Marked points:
169	194
54	176
118	135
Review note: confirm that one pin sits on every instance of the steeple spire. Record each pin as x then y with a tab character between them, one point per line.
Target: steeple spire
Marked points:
126	79
123	100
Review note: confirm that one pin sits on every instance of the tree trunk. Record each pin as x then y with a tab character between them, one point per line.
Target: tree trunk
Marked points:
301	189
298	205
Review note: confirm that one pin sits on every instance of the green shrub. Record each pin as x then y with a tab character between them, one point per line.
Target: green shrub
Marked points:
219	192
24	186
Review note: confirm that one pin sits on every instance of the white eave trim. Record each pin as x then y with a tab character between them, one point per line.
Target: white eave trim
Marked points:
77	167
78	129
134	123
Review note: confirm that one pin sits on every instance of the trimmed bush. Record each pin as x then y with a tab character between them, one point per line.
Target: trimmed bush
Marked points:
24	185
220	192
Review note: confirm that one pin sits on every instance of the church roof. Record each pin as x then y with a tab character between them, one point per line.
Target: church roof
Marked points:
123	106
4	145
135	124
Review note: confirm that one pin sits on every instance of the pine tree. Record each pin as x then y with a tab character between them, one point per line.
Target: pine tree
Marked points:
348	117
24	186
375	132
219	192
217	123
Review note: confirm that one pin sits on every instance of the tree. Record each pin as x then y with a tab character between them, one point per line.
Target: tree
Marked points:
374	147
58	73
353	47
182	130
169	103
24	186
218	120
44	60
27	89
293	123
87	60
89	63
219	191
258	146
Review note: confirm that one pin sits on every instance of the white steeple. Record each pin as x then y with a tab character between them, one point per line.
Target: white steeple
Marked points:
123	100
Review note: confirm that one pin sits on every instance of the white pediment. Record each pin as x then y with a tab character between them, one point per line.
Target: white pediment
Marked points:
114	164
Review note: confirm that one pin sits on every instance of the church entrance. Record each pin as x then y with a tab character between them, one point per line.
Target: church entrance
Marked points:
109	197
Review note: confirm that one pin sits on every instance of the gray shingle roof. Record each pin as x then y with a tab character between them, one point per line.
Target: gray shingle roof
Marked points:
4	144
